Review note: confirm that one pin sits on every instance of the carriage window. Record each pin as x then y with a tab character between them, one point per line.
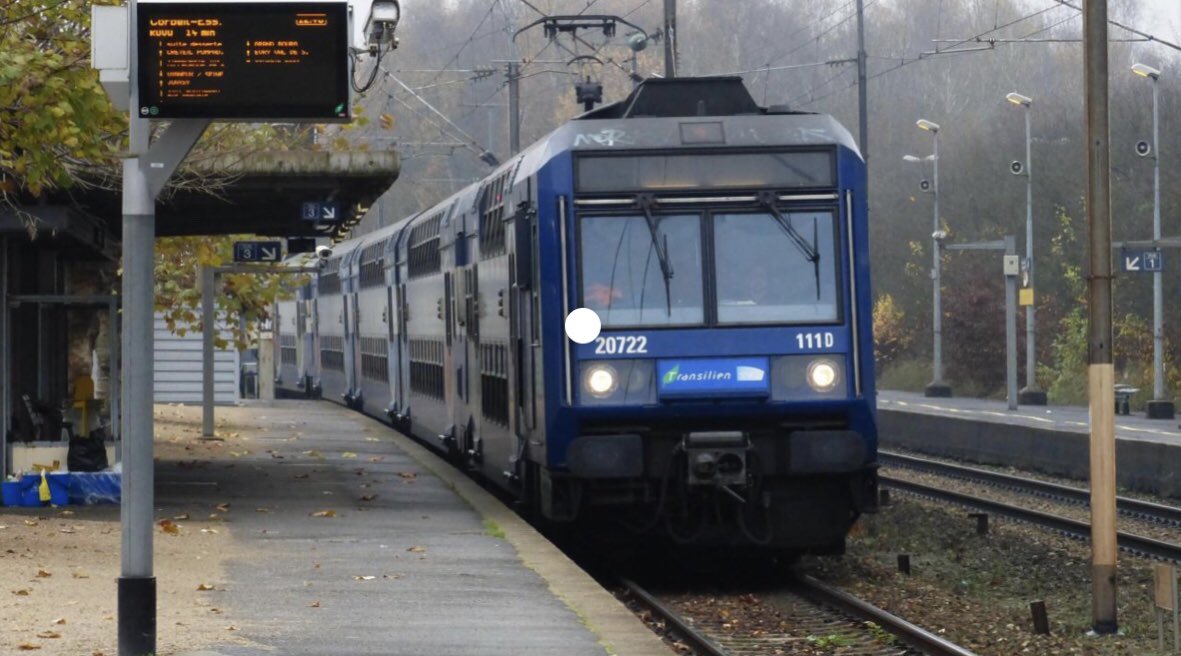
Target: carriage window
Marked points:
769	272
634	274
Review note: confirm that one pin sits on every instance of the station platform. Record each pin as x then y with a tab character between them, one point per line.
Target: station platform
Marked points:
1050	439
352	539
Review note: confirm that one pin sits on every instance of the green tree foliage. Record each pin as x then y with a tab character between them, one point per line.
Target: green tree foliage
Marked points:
55	120
244	301
892	336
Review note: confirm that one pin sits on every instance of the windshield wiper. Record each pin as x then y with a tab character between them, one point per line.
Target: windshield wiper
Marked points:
646	203
809	251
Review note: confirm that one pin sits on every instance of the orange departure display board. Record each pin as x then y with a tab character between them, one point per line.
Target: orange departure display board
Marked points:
243	60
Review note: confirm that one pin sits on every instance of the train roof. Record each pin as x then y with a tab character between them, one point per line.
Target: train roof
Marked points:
657	113
652	117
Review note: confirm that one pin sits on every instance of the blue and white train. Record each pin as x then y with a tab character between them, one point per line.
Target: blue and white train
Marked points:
728	401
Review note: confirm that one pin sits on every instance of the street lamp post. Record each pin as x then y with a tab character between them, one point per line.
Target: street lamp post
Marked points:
937	387
1030	394
1159	407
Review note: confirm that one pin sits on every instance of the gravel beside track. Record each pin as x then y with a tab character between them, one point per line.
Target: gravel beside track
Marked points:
806	617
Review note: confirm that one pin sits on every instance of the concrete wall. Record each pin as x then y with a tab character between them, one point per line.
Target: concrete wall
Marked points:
1141	465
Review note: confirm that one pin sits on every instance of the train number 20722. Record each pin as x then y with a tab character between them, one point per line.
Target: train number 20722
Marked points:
620	345
815	340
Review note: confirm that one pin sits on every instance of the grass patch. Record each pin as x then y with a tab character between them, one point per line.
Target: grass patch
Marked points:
493	529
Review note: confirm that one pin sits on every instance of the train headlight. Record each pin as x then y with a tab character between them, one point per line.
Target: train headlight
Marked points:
823	375
600	380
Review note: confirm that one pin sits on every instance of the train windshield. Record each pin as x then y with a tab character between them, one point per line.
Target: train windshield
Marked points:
623	278
775	269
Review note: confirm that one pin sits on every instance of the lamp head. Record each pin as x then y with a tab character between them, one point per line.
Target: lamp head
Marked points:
929	126
1018	99
1144	70
911	158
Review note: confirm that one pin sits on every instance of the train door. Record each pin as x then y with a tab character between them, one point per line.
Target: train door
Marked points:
467	366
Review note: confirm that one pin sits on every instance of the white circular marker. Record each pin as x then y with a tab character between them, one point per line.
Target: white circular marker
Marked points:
583	326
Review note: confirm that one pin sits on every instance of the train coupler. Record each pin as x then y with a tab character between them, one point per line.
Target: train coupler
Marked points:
716	458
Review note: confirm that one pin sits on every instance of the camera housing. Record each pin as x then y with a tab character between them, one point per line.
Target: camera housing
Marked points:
382	22
323	252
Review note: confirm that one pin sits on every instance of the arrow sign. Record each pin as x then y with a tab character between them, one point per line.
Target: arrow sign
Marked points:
1142	261
258	251
314	211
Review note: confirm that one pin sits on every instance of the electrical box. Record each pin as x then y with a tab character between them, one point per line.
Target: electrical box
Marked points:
1012	265
110	52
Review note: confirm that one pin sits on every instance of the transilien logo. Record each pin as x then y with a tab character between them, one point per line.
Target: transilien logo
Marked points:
670	376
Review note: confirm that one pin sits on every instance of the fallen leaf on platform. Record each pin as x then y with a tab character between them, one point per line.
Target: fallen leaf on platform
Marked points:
391	576
314	604
377	459
66	513
301	476
238	454
372	439
2	527
364	578
181	517
28	646
66	530
408	475
262	510
368	497
224	507
231	628
60	620
168	527
209	530
81	575
417	549
215	610
43	574
31	522
313	454
348	454
49	635
214	517
203	587
324	513
21	593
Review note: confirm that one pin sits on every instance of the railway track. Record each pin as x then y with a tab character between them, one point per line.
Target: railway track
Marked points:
1136	544
817	614
1135	508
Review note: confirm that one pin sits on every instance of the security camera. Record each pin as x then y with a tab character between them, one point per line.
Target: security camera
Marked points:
382	22
925	185
1016	168
323	252
1143	148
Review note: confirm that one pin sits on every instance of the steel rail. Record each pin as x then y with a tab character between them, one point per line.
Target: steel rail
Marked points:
1126	505
910	634
1134	543
696	640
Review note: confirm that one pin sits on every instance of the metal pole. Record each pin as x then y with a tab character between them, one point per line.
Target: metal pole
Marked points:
670	38
1101	375
1011	328
137	584
514	107
1162	407
5	361
936	388
862	92
208	331
1031	395
114	384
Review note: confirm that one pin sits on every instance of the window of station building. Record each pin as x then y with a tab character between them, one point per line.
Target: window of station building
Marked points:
679	171
424	256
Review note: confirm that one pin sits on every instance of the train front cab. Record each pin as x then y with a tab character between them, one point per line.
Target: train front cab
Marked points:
728	399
